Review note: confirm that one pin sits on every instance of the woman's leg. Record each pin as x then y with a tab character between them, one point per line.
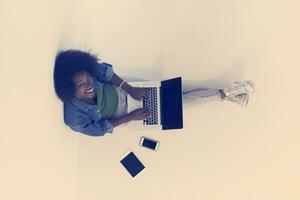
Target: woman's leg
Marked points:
122	105
236	93
196	96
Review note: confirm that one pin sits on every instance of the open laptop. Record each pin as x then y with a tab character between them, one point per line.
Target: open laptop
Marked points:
164	103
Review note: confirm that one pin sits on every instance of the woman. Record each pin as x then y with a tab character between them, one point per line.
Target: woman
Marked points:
94	96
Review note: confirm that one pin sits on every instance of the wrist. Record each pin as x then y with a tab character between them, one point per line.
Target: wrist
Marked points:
127	88
121	84
128	117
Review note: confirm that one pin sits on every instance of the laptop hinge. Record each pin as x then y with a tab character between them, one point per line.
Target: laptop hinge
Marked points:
161	108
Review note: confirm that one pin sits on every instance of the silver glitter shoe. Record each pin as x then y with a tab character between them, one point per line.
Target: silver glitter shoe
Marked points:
241	99
238	88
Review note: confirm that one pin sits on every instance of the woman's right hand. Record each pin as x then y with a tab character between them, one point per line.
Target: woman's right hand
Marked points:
139	114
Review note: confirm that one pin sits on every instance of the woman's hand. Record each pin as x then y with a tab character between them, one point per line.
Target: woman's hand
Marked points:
138	93
139	114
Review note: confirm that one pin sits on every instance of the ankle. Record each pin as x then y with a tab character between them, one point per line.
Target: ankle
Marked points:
223	95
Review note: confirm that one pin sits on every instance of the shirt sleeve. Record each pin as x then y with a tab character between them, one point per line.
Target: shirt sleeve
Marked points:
104	71
91	127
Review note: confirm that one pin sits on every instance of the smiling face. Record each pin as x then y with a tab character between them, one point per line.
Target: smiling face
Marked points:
84	87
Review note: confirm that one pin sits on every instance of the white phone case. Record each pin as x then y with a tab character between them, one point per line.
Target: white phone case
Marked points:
157	143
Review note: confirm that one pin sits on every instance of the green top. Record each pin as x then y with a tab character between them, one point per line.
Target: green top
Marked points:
107	100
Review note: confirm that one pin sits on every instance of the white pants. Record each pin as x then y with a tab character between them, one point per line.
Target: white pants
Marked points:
122	106
192	95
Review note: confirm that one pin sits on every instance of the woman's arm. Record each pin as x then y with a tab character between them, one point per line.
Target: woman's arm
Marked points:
117	121
136	92
117	81
138	114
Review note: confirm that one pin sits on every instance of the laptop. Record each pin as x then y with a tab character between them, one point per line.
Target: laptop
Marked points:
164	103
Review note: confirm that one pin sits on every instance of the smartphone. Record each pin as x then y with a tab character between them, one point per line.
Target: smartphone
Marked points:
149	143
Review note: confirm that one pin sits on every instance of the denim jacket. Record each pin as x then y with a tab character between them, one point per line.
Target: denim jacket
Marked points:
86	118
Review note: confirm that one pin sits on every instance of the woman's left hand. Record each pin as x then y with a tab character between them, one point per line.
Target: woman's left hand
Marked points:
138	93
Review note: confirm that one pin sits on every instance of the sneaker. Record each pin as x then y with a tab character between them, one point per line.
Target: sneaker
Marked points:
239	88
241	99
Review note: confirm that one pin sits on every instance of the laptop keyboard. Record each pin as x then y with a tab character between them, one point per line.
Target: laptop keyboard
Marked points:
151	104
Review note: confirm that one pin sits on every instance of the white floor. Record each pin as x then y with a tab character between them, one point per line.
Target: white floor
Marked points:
223	152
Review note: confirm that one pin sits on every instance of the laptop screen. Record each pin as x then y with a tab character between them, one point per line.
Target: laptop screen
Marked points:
171	104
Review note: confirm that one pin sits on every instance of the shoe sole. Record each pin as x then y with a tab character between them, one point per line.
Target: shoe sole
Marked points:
251	84
250	89
245	102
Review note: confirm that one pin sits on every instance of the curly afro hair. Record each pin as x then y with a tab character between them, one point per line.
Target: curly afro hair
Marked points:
67	64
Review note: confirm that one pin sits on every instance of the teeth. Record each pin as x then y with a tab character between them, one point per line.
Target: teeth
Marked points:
91	90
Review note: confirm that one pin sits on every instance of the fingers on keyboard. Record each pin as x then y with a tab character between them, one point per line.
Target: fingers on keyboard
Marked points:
151	103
